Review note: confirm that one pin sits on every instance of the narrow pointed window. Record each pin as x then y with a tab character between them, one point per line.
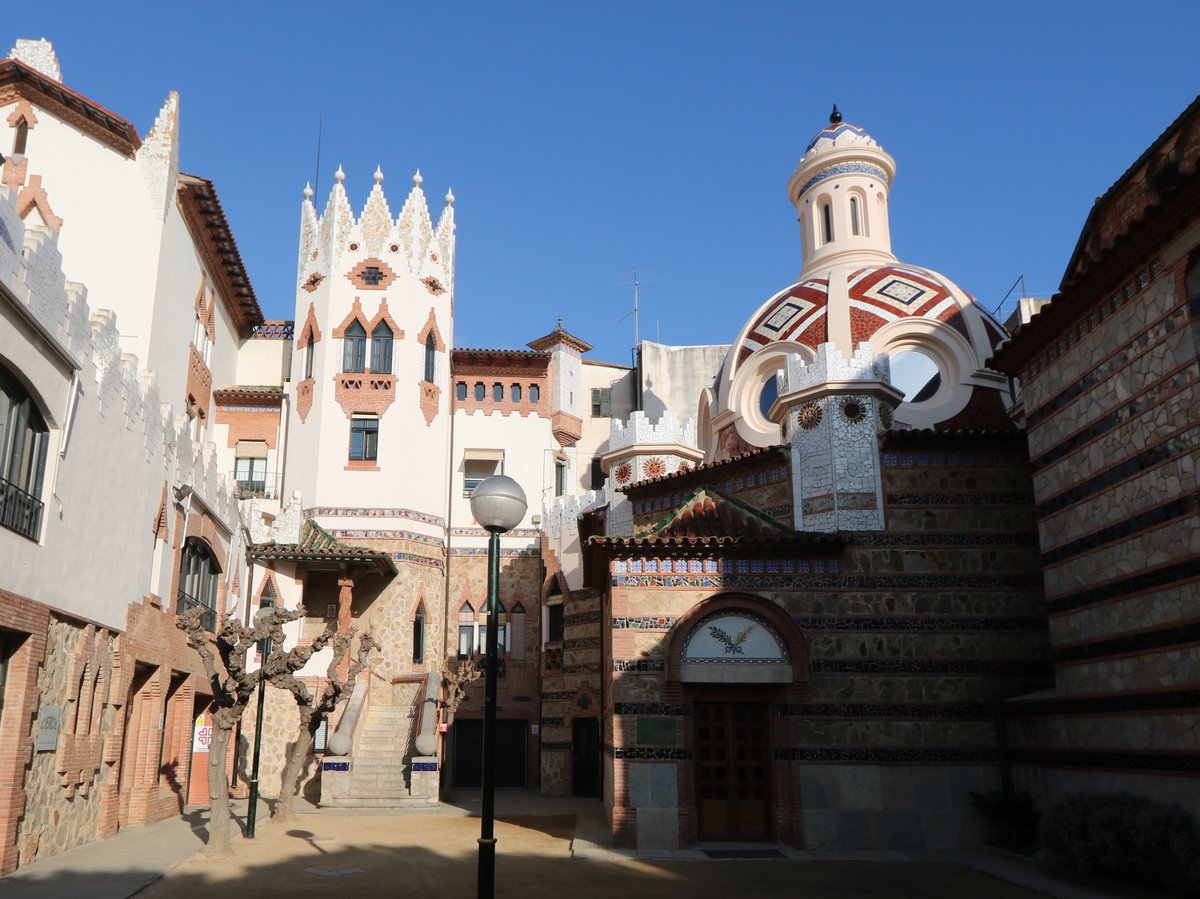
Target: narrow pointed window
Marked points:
381	349
430	357
419	635
827	221
854	227
21	137
354	350
308	356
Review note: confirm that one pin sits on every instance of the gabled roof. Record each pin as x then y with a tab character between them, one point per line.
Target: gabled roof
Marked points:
560	335
318	545
711	517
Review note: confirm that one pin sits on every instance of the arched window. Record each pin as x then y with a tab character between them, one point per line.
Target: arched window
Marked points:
308	356
21	137
419	635
354	349
516	639
430	357
827	222
854	225
466	631
198	578
23	441
381	349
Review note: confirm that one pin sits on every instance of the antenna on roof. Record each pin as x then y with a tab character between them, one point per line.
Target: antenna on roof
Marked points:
637	284
317	176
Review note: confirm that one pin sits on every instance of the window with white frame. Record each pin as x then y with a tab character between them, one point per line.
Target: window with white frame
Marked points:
364	438
251	475
472	632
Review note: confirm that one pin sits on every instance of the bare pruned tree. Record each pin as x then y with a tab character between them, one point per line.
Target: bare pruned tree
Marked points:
315	707
223	655
456	680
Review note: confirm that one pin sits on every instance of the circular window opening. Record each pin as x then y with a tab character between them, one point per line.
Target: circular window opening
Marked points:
768	394
916	374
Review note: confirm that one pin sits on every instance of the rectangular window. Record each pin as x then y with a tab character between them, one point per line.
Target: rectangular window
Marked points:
535	393
480	392
560	477
498	393
364	439
466	640
479	464
460	391
251	476
515	393
601	402
554	620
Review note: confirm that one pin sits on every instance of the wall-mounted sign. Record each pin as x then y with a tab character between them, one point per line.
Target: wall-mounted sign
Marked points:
201	735
335	766
47	733
443	727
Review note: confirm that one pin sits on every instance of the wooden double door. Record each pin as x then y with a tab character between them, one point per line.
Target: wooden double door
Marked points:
732	754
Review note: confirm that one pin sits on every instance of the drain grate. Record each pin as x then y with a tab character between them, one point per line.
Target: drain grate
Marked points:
743	853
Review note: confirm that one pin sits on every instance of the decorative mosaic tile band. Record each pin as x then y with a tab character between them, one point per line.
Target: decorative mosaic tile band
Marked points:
1014	498
828	502
1156	578
1142	343
637	665
1155	701
1168	387
582	643
952	755
761	478
1142	641
726	566
783	511
1103	759
410	536
1151	518
999	538
419	560
955	458
482	551
581	618
649	753
663	623
844	168
839	582
424	766
931	666
1181	444
904	711
372	512
480	532
938	623
676	709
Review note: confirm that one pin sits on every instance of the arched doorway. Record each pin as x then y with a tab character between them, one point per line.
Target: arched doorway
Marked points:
735	659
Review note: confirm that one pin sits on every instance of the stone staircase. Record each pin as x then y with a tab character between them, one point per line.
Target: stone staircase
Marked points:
379	775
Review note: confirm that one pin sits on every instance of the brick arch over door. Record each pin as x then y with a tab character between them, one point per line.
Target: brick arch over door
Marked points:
780	621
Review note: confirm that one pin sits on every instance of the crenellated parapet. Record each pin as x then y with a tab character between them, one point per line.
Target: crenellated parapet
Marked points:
409	243
113	386
560	516
830	366
668	430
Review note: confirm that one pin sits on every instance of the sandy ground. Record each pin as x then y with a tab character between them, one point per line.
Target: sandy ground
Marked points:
412	855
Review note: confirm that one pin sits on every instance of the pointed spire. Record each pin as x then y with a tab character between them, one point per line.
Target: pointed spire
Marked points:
337	219
417	179
159	154
378	176
376	219
449	197
339	176
308	191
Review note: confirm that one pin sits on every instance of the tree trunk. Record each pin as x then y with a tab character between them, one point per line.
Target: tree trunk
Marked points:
219	840
285	809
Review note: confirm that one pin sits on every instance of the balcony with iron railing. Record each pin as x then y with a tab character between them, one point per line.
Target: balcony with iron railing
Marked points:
185	603
20	511
261	485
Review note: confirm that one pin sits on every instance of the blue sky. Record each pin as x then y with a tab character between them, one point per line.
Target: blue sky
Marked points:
584	142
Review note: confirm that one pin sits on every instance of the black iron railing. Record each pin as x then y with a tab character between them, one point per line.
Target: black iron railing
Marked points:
208	618
20	511
261	485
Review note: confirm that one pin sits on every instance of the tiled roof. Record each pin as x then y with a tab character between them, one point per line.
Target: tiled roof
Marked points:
711	517
257	396
318	545
705	469
560	335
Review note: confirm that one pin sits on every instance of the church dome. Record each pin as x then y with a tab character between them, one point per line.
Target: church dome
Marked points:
852	290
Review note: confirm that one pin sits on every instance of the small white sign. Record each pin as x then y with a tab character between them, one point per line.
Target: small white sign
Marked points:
201	735
47	733
533	728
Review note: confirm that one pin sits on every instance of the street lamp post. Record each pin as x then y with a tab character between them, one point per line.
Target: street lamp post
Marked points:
264	649
498	504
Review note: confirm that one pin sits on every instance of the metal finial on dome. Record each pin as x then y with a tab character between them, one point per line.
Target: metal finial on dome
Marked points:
378	176
308	191
339	176
560	327
835	117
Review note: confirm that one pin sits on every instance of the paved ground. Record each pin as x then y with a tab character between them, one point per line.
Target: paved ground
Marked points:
546	848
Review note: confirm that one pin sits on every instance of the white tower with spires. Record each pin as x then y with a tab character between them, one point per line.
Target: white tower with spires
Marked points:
370	407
